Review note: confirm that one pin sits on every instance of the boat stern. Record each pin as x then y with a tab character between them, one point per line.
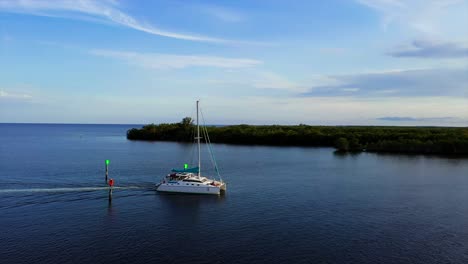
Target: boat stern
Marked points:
223	188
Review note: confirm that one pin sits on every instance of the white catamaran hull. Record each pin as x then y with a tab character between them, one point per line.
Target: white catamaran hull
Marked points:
188	188
190	180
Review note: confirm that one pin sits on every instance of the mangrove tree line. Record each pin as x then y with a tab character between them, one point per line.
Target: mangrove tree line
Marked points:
424	140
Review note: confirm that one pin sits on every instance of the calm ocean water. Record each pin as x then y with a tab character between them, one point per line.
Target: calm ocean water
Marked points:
284	204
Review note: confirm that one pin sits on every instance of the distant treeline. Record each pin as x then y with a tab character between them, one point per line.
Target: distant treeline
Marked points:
422	140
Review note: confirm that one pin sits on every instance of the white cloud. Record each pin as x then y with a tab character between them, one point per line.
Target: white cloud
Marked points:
350	89
425	16
431	49
171	61
105	11
336	110
270	80
415	119
8	95
395	83
265	82
222	13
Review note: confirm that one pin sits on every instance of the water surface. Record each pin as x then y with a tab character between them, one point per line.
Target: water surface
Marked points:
284	204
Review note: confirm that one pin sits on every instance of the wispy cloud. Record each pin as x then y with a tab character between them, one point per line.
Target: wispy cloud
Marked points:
270	80
8	95
396	83
222	13
258	81
415	119
104	11
426	16
172	61
431	49
339	110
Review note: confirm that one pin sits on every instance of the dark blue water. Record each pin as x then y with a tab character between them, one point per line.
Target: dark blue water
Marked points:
284	204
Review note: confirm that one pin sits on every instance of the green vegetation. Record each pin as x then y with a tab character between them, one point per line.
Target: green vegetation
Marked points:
423	140
182	131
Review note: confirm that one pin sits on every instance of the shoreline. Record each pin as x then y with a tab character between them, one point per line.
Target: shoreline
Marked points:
376	139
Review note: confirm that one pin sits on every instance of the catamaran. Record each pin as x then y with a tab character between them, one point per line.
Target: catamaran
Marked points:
190	180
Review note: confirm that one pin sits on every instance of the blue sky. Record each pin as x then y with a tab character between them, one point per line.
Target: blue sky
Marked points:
337	62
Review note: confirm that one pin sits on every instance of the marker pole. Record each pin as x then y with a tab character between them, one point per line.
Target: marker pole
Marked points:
111	185
107	169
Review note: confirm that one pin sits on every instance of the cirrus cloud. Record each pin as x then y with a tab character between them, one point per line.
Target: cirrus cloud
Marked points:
103	11
9	95
424	16
222	13
414	119
397	83
173	61
431	49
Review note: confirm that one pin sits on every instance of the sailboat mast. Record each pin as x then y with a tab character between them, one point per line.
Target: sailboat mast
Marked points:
198	141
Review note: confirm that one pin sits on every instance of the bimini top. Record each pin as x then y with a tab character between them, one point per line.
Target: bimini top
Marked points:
192	170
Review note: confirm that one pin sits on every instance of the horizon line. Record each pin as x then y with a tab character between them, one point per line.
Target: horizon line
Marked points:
111	124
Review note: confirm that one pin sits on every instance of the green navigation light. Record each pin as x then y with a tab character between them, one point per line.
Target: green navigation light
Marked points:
185	166
107	162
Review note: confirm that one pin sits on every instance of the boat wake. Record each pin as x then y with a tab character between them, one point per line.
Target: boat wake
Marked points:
69	189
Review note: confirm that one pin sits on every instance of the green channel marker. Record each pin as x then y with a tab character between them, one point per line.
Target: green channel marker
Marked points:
185	166
107	162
